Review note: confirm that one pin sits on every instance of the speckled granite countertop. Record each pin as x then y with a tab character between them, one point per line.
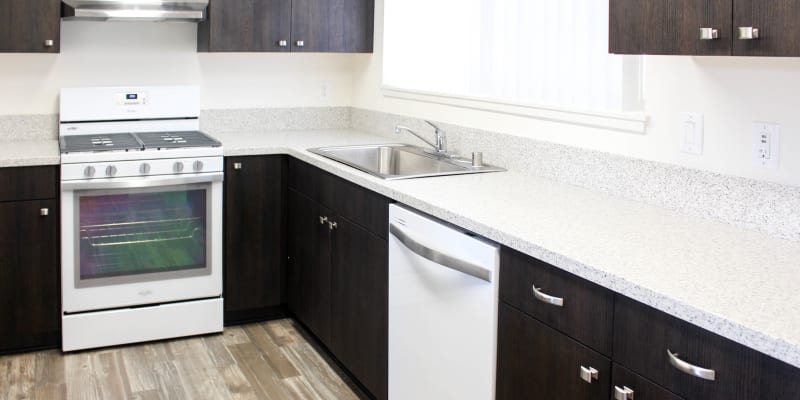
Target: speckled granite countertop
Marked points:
740	284
20	154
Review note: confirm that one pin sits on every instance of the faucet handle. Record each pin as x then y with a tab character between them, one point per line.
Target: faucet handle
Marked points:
434	126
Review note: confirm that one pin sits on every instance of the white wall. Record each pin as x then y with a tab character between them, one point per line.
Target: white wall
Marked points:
731	92
120	53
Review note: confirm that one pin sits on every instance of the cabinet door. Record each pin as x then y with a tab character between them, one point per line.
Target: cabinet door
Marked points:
30	305
536	362
360	304
776	21
31	26
332	25
669	27
254	236
246	25
308	269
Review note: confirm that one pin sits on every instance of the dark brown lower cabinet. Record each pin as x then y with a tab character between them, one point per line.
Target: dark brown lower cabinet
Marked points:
535	361
30	300
255	221
360	303
338	270
309	268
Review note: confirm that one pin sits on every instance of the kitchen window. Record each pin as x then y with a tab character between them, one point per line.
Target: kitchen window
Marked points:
540	58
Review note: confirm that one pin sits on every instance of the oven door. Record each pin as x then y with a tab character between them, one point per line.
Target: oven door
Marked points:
138	241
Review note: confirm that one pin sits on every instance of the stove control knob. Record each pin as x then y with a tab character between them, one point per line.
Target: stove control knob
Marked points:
88	171
111	170
197	166
144	168
178	166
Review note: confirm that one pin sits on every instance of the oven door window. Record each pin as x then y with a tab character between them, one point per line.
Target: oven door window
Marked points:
138	235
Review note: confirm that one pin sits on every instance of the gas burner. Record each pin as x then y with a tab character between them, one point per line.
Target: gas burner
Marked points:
95	143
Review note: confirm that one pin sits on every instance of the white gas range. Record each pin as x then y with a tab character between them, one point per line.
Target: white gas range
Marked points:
141	207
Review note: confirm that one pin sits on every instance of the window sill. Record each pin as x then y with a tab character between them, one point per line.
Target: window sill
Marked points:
634	122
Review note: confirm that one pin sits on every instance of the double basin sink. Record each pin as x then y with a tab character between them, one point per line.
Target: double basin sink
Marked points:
401	161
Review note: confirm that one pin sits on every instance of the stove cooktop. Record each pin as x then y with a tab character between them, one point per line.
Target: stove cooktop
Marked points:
139	141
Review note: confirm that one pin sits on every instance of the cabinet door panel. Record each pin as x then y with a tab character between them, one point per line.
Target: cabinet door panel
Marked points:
30	305
776	20
333	25
642	336
25	25
254	235
669	27
246	25
360	304
536	362
309	273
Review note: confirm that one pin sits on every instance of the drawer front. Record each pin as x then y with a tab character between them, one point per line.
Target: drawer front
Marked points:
643	335
353	202
624	383
587	310
28	183
535	361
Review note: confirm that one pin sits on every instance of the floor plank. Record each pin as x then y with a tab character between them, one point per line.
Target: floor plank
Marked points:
269	360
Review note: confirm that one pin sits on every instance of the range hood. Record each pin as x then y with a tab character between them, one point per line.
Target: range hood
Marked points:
135	10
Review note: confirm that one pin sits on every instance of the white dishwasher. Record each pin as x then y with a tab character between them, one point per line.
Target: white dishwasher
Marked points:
443	285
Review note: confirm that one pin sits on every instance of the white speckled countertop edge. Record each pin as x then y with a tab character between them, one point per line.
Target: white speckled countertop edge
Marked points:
32	153
707	273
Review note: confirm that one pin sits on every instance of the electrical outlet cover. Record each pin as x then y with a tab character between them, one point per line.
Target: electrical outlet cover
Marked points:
766	144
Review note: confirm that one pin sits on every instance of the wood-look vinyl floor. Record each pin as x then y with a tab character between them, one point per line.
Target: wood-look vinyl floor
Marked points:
270	360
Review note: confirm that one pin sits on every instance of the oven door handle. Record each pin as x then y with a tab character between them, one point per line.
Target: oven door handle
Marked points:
141	182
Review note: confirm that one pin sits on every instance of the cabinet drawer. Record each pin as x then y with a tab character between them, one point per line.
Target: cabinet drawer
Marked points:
640	387
535	361
643	335
28	183
359	205
587	310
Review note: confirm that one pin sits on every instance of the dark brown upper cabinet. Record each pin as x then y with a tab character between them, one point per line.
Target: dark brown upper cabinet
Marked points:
288	25
776	22
30	26
704	27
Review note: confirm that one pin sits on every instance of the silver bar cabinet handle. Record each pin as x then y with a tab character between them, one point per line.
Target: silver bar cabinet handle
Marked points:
44	212
332	225
624	393
685	367
237	165
323	220
709	34
300	43
546	298
588	374
445	260
49	43
282	43
748	33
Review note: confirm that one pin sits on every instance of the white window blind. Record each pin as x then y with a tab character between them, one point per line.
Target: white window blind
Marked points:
539	52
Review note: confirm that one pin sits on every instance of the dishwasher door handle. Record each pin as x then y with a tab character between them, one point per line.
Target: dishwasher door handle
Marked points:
440	258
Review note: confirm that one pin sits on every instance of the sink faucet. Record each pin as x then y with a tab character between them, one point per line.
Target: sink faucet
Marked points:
440	145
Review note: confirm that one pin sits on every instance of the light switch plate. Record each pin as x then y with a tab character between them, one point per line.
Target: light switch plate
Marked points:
692	133
766	144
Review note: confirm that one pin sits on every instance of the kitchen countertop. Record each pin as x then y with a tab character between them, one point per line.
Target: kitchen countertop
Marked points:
740	284
21	154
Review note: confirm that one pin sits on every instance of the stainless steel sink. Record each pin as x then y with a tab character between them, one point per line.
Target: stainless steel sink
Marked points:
400	161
